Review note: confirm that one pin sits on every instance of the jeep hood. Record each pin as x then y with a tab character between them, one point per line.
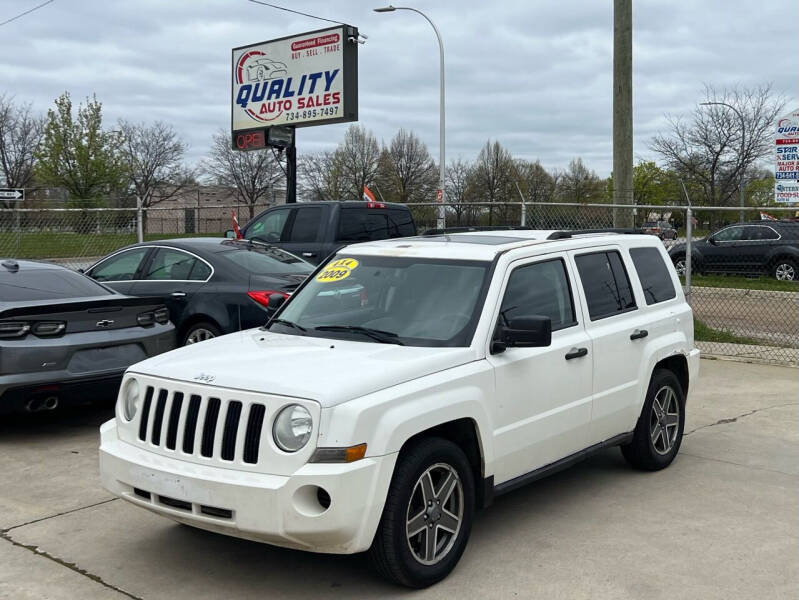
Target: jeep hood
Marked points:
330	371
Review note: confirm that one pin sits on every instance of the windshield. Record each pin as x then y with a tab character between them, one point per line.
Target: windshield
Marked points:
401	300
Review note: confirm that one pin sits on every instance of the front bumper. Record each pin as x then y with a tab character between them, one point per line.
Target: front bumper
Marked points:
284	511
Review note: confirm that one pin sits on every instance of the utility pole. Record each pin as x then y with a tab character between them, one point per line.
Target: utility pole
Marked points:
623	111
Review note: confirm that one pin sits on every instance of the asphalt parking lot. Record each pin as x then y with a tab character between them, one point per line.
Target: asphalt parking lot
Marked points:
721	522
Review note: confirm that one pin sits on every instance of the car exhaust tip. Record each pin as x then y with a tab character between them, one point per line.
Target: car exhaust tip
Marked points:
39	404
51	403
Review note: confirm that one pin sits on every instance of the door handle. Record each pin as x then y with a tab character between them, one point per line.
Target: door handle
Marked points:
576	353
178	294
309	254
639	334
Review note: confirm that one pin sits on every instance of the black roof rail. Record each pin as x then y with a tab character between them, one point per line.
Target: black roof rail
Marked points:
561	235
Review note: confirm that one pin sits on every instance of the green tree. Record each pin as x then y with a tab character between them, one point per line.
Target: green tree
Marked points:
77	155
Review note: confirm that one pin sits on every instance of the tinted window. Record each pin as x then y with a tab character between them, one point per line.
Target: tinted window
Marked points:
539	289
265	261
401	223
606	285
268	227
173	265
306	224
731	234
48	284
760	232
362	225
120	267
654	275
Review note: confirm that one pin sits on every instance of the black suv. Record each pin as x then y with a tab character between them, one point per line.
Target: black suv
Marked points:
746	249
314	230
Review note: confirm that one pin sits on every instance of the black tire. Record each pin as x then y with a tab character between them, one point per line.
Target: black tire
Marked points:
644	452
678	260
391	549
197	328
785	269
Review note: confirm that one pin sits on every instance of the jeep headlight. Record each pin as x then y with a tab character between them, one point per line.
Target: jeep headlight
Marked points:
130	399
292	428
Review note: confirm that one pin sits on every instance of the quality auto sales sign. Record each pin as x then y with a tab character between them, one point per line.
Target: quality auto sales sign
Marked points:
302	80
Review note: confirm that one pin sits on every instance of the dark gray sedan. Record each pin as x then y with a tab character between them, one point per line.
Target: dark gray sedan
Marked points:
67	339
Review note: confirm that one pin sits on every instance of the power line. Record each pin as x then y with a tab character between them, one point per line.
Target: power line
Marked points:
291	11
26	12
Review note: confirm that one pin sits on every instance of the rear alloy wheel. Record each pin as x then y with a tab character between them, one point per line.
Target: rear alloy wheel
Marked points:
200	332
785	270
658	433
428	515
679	265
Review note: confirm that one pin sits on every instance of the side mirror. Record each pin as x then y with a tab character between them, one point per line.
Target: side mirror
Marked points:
524	332
230	234
275	302
711	240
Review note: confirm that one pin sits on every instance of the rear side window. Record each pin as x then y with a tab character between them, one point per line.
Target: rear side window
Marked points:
306	224
654	275
173	265
362	225
605	283
540	289
48	284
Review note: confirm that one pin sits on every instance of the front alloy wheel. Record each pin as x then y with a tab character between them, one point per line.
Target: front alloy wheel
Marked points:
427	516
434	514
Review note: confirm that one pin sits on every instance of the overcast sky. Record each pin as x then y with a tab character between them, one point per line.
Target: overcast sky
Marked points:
534	74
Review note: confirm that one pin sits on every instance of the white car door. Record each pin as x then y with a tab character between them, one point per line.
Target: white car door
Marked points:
543	395
618	330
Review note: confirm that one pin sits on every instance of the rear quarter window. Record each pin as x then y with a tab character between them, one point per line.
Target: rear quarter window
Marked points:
653	274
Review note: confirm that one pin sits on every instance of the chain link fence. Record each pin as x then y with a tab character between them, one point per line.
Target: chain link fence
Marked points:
745	295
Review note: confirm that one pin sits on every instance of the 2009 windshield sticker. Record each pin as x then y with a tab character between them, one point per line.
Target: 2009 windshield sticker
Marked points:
337	270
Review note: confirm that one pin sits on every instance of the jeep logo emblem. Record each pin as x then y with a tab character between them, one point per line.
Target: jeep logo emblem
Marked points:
204	377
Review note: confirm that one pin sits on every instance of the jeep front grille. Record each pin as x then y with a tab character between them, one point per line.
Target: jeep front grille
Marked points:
208	426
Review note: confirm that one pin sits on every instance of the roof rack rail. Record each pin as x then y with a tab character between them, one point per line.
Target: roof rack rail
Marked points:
561	235
474	228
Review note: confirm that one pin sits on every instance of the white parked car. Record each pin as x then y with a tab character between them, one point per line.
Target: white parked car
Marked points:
403	386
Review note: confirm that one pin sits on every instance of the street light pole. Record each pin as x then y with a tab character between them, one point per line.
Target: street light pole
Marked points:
743	150
441	219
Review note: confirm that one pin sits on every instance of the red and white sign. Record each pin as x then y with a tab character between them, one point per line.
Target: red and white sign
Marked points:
786	169
439	196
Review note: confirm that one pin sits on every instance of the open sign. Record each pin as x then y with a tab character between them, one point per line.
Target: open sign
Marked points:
249	140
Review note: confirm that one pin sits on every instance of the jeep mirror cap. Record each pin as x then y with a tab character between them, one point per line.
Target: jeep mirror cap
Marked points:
230	234
528	332
275	302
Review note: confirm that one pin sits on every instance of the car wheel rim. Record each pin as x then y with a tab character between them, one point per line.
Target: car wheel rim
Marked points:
785	272
664	420
435	514
680	267
199	335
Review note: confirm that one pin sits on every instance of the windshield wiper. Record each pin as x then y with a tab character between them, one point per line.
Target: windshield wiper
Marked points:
287	324
384	337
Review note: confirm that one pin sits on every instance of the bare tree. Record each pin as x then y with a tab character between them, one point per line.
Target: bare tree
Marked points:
253	174
493	179
154	155
460	192
704	148
320	176
536	183
357	160
20	131
578	183
407	172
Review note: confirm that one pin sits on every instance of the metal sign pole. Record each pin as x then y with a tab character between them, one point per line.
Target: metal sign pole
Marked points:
291	174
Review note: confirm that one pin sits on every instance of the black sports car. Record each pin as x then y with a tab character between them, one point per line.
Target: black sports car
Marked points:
65	338
212	286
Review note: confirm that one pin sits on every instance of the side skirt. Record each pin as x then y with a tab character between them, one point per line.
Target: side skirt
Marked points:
559	465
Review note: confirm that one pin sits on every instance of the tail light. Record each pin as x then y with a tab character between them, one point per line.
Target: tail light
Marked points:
262	297
375	205
162	316
14	329
146	319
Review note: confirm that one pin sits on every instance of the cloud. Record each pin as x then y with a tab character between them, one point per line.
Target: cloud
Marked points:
537	76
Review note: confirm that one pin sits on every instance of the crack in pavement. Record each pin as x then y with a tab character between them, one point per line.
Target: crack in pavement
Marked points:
5	535
734	419
66	512
737	464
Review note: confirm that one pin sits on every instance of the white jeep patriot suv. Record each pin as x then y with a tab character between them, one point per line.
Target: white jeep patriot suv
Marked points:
405	384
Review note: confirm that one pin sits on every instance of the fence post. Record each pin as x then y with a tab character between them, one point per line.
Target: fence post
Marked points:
139	220
689	226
